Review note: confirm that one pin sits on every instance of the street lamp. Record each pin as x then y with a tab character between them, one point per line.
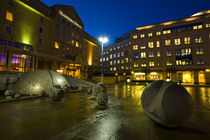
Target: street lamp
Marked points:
102	40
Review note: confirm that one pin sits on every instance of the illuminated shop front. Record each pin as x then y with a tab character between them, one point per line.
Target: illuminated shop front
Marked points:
154	76
140	76
71	70
3	59
201	77
21	63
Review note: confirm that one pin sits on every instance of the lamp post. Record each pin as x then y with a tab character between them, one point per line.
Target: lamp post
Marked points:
102	40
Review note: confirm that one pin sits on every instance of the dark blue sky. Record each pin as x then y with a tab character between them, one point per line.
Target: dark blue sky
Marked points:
116	17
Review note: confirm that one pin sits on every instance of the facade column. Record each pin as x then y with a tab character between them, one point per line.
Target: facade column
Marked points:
174	77
207	77
195	75
74	70
9	58
36	62
54	66
164	75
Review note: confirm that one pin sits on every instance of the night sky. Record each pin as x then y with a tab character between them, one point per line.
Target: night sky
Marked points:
116	17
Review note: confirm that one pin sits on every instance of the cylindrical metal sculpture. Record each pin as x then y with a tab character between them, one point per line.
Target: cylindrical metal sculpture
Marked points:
41	82
167	103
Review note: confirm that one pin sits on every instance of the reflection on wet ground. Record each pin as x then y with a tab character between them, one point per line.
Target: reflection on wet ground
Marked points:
75	117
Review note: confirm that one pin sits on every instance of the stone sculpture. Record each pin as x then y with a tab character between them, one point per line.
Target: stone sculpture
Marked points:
167	103
102	99
42	82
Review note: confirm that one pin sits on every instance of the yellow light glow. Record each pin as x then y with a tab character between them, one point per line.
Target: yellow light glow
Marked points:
139	73
116	74
207	70
132	72
9	16
60	71
90	62
191	19
124	73
56	45
201	13
168	23
153	73
145	27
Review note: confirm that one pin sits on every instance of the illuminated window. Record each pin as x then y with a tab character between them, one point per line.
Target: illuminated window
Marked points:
9	16
149	34
198	39
114	69
151	63
122	61
135	37
187	40
166	31
107	58
114	49
143	54
8	29
178	62
114	55
208	25
143	45
77	44
150	44
110	62
158	33
135	65
126	60
56	45
118	61
110	56
157	43
200	61
177	41
135	47
168	52
168	63
110	49
143	65
122	53
167	42
110	69
118	54
151	54
142	35
158	53
199	50
197	27
114	62
122	67
118	47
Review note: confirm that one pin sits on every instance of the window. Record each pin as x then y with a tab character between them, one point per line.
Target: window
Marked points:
177	41
142	35
41	30
200	61
9	16
110	56
122	61
169	63
157	43
167	42
143	54
122	67
135	56
115	69
40	40
11	3
158	53
151	54
122	53
151	63
135	65
56	45
168	52
143	45
150	44
41	19
149	34
135	47
143	65
135	37
208	25
57	26
198	39
77	44
166	31
114	55
114	62
126	60
158	33
110	49
110	69
118	54
110	62
187	40
197	27
8	29
118	61
199	50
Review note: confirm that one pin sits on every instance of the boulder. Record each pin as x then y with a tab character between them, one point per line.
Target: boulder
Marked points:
102	99
167	103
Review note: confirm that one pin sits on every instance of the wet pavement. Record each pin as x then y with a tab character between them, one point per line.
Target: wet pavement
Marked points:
76	117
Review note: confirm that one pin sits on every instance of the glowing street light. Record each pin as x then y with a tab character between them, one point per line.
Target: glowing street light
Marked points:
102	40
